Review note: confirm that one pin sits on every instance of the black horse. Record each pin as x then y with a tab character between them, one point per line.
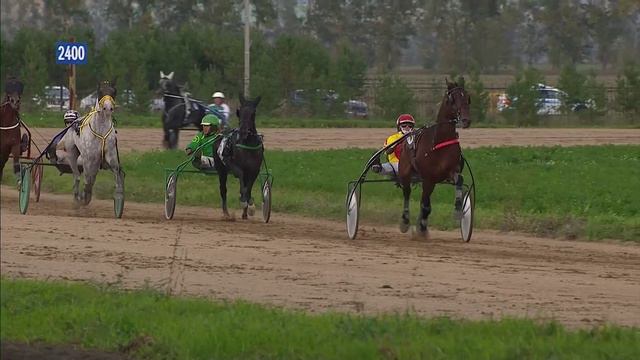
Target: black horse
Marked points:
174	116
245	158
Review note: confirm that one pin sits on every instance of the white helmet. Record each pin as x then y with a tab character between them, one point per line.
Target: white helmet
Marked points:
218	94
71	115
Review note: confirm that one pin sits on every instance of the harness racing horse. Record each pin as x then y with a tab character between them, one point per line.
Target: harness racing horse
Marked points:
10	141
97	143
176	114
246	158
435	156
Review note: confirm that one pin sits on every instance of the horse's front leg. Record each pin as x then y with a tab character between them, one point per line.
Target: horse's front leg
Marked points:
404	222
222	177
90	169
425	209
251	207
72	158
458	179
244	201
15	151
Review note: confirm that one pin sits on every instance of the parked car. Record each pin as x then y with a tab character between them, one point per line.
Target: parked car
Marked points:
55	96
127	97
356	109
551	101
156	104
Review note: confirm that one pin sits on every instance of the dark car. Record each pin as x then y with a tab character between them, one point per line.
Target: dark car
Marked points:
356	109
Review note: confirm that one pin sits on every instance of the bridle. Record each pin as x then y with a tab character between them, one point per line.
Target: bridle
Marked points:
449	94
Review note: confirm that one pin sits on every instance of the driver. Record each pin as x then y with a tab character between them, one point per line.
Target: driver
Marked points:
57	152
205	160
404	125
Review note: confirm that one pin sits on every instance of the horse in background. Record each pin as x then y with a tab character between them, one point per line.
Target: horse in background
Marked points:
98	145
10	140
435	155
246	158
179	111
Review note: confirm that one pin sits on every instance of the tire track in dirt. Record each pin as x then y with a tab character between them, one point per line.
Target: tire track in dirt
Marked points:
309	264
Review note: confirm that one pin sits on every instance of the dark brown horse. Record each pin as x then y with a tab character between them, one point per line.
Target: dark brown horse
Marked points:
10	141
433	153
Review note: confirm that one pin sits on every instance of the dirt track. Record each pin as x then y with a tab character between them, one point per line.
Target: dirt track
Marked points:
309	264
314	139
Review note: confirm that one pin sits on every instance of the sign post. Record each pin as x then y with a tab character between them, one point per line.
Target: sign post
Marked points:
72	54
247	46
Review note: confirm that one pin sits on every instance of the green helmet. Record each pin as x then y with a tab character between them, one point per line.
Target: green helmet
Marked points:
209	119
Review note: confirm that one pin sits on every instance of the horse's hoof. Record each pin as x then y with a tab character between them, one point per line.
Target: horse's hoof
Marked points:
251	210
420	234
404	227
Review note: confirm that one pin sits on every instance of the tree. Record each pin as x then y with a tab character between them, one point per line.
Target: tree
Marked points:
564	22
524	97
393	97
628	89
34	74
479	97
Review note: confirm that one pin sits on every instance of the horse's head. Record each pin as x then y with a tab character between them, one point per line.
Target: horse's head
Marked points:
458	103
106	97
247	116
13	89
167	85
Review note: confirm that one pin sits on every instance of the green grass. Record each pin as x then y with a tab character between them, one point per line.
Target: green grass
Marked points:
155	326
54	119
574	192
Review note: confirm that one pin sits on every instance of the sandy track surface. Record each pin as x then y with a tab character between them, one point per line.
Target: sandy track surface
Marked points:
315	139
309	264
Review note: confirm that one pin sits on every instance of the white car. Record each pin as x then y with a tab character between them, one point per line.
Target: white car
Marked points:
88	102
54	97
550	101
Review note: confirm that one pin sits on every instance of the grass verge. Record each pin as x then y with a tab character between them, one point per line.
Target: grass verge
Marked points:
148	324
124	119
572	192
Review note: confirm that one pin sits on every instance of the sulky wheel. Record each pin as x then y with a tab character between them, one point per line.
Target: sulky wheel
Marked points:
25	189
38	171
170	196
266	201
466	221
353	209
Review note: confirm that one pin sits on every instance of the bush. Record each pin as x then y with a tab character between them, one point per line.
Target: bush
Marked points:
479	98
524	98
393	97
628	89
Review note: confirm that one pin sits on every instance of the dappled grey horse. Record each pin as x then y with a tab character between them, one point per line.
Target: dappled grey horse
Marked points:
97	143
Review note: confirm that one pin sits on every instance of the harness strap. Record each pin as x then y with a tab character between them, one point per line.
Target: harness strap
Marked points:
10	127
445	144
85	122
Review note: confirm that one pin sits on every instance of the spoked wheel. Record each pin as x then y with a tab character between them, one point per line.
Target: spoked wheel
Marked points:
466	222
266	201
25	189
170	196
353	209
37	180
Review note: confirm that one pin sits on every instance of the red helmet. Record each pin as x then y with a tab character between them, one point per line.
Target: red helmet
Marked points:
405	118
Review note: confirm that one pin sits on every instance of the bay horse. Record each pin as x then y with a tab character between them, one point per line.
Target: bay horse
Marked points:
434	154
175	114
10	140
246	158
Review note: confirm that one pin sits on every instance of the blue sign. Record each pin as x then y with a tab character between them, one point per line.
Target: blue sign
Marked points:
71	53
